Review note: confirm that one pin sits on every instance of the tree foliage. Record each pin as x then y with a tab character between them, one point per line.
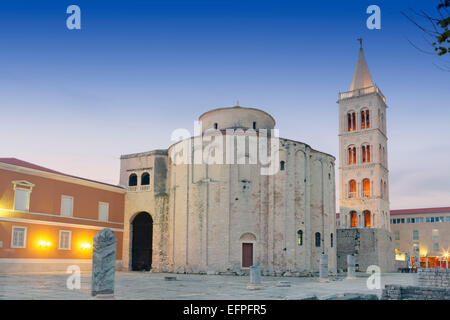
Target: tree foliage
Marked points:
436	27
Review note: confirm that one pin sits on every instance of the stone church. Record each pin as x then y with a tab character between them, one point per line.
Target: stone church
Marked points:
215	202
184	213
364	217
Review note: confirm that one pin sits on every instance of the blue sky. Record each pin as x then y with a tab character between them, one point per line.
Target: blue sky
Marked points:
75	100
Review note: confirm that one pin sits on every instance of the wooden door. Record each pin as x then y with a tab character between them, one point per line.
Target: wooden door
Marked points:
247	255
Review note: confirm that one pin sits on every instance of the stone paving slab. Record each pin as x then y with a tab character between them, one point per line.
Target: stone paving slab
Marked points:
148	285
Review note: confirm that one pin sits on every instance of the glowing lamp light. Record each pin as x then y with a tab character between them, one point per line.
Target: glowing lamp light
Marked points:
85	246
44	244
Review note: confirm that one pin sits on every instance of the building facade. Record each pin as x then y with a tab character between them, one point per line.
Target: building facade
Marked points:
48	219
428	229
222	215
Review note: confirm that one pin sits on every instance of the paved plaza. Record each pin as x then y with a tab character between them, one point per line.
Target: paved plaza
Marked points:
147	285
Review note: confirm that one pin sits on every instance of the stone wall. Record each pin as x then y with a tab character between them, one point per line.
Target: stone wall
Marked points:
433	277
215	208
369	246
397	292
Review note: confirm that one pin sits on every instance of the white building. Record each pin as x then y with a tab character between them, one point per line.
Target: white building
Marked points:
363	165
363	226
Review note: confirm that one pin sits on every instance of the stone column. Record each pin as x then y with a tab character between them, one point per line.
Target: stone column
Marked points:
351	268
255	278
323	271
416	257
103	264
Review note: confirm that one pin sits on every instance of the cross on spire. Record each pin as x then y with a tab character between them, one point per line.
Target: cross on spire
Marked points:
360	42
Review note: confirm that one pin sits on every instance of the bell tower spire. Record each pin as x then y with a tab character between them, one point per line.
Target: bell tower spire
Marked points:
361	77
363	167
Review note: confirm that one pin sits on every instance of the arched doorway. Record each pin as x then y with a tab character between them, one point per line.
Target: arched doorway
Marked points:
247	241
141	247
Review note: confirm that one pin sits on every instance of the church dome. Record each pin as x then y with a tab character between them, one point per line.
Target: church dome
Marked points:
236	117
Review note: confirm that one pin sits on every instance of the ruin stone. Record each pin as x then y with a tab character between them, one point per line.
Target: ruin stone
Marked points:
103	263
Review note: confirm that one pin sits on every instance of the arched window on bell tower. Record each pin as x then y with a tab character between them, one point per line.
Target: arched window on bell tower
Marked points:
365	119
351	121
366	188
352	189
353	219
367	219
351	155
365	153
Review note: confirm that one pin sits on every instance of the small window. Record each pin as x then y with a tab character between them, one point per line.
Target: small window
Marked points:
67	206
145	179
216	125
19	237
254	124
435	234
415	235
331	240
317	239
436	247
397	235
64	239
103	211
300	237
22	199
132	180
282	165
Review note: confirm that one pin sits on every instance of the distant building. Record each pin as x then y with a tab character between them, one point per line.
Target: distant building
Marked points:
427	228
48	219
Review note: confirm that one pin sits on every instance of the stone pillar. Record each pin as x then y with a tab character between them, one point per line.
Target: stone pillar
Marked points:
323	271
351	267
103	264
416	257
255	278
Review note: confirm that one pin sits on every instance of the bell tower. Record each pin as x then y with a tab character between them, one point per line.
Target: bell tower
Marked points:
363	165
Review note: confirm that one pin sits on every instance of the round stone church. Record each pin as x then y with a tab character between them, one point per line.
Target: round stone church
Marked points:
232	195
